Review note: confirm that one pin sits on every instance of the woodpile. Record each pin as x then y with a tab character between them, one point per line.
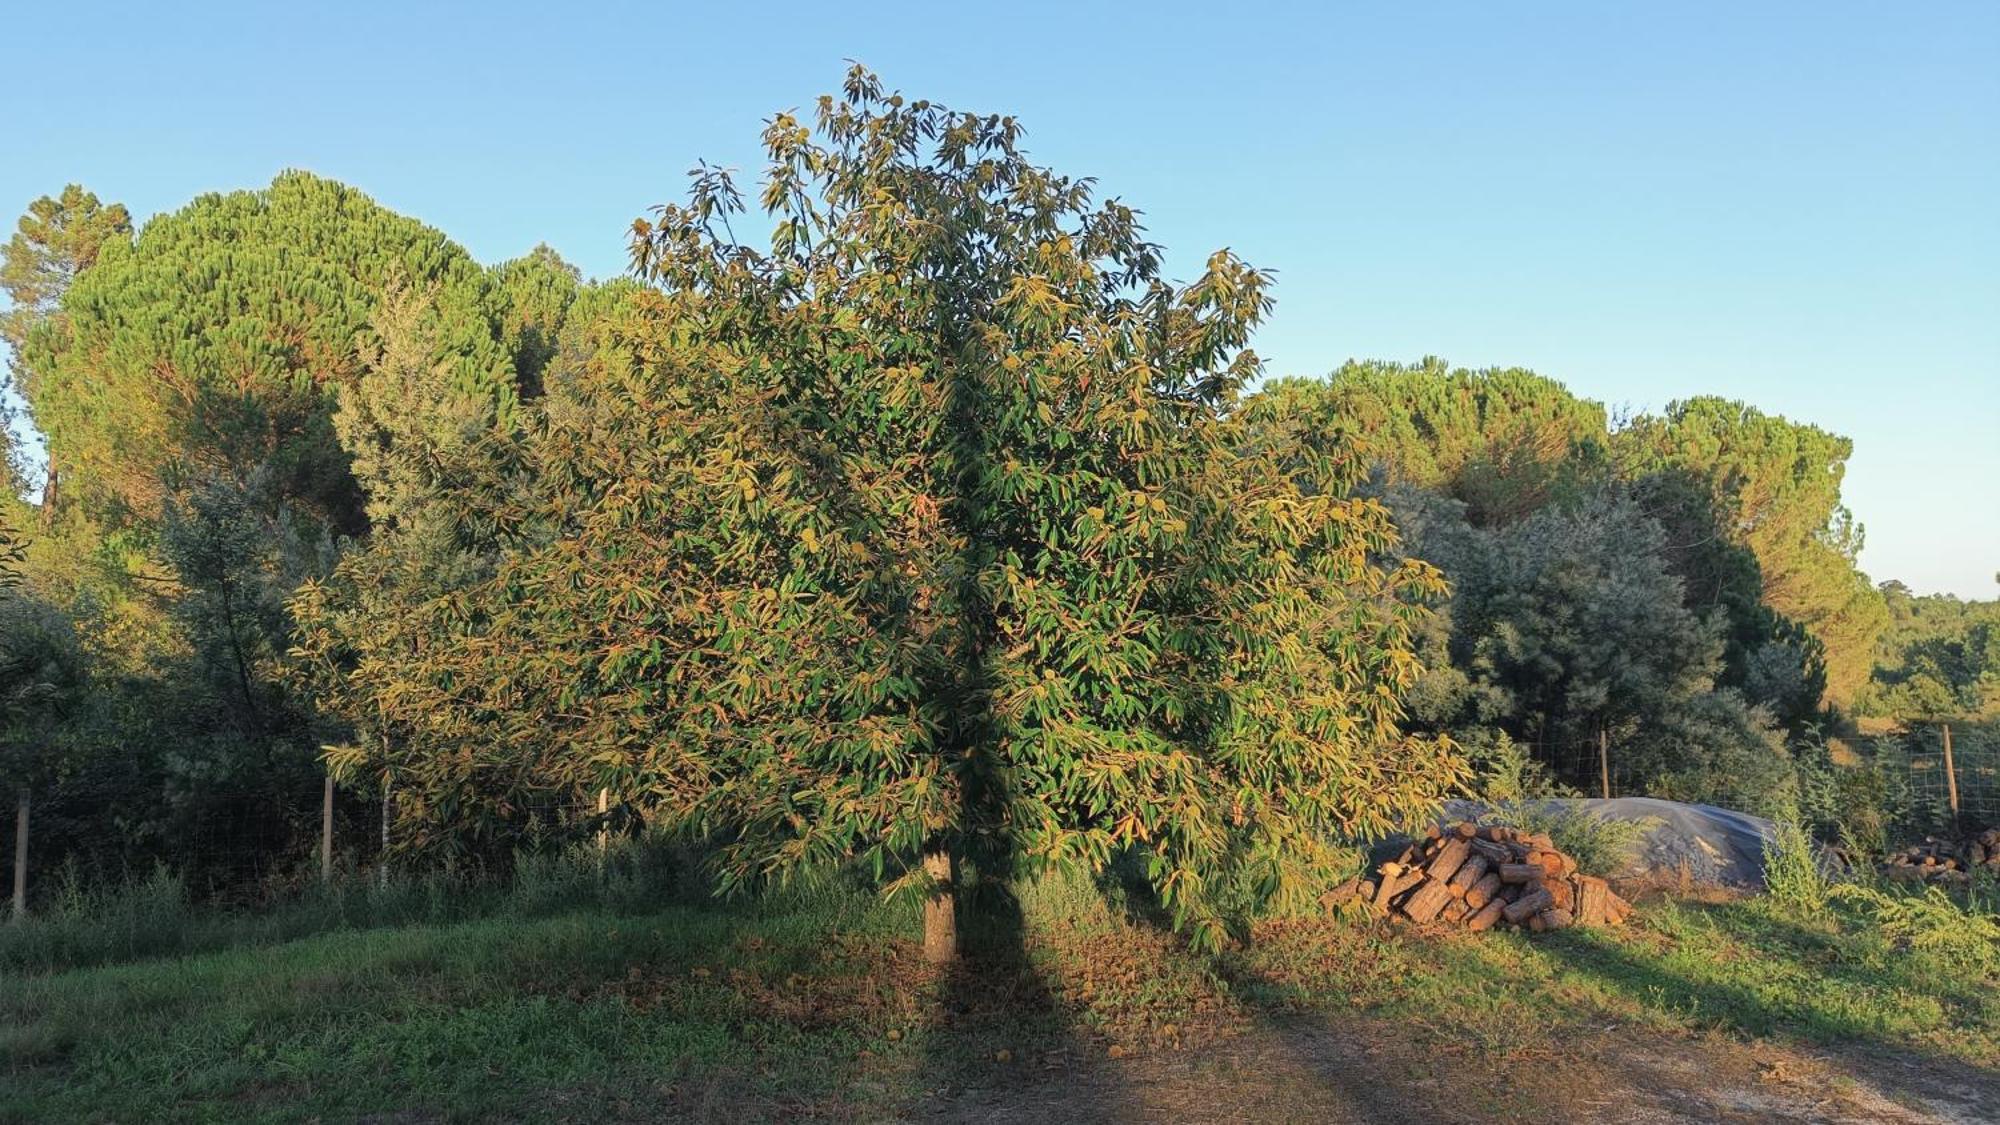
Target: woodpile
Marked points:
1945	861
1478	877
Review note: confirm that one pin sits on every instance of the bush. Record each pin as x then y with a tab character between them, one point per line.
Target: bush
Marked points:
1506	771
1792	872
1862	805
1930	923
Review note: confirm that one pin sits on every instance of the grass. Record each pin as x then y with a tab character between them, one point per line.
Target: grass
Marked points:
1600	845
567	1001
1746	968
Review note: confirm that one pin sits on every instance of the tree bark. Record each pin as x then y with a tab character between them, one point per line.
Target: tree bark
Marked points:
603	825
1468	874
1485	916
1449	858
1428	901
940	909
1486	890
1592	901
382	859
1527	906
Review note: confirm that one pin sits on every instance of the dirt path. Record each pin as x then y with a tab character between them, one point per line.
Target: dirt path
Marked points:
1306	1072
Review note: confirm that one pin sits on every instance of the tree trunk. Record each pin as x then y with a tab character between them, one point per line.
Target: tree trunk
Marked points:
1485	916
940	909
1427	902
1527	906
21	857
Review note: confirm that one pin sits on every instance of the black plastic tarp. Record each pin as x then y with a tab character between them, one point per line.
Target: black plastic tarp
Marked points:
1695	844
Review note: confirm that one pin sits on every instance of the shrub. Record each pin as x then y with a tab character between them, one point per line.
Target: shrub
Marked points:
1599	845
1931	923
1507	771
1792	872
1859	804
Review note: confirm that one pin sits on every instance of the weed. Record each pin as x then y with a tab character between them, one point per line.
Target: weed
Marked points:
1931	923
1599	845
1792	872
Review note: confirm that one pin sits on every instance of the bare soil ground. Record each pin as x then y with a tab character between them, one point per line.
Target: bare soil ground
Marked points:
1306	1071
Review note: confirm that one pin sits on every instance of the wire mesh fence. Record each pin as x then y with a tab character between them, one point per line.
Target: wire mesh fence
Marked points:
1947	781
1590	766
1953	776
264	845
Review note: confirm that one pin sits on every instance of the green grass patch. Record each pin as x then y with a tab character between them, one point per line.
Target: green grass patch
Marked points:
816	1002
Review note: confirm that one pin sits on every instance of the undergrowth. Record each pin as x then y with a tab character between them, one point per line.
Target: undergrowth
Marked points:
1599	845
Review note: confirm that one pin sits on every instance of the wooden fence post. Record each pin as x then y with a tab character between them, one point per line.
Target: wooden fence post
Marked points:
21	857
326	833
603	826
382	859
1950	777
1604	761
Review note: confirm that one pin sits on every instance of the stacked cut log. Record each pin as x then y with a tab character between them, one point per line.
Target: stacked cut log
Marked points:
1478	877
1945	861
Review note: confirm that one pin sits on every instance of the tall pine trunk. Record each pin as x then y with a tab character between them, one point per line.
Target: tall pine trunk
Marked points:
940	908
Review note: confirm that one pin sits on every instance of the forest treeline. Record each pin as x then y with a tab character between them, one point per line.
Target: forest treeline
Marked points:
941	523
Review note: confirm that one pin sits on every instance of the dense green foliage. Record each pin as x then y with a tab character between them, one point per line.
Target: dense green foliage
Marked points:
941	522
1568	625
186	383
1774	489
927	527
58	239
1939	658
1503	443
1611	582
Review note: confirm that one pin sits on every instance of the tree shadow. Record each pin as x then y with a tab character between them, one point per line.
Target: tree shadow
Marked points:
1061	1065
1899	1067
1377	1067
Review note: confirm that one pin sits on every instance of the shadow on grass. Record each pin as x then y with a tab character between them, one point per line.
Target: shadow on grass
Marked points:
1002	1044
1575	1064
1897	1065
1833	955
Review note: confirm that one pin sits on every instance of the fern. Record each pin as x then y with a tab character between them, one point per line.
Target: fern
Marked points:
1930	923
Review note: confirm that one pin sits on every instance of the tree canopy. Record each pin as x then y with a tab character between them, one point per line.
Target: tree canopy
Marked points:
940	525
1504	442
1775	490
213	343
925	528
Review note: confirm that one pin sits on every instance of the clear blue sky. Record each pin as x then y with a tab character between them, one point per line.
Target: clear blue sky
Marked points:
1789	204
